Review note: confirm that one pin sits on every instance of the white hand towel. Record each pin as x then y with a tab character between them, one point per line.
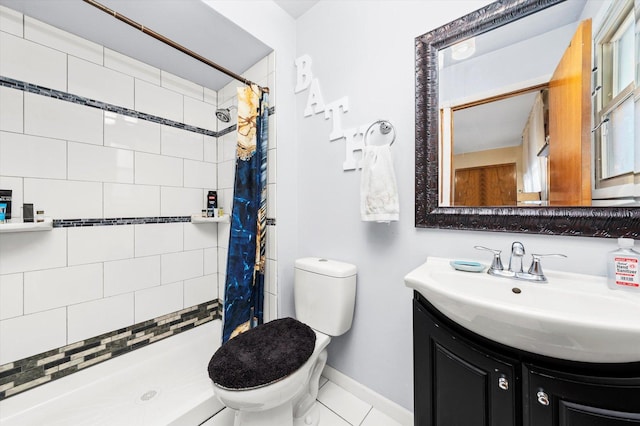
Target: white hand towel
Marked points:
378	188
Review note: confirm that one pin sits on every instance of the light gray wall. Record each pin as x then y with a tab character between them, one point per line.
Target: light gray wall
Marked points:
365	50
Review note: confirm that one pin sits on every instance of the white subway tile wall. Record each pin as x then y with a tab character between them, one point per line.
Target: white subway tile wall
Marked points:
180	201
65	198
181	143
32	156
11	295
129	275
210	260
133	67
38	64
79	162
55	288
180	85
154	169
32	251
158	101
159	238
155	301
99	316
63	41
54	118
11	22
125	200
88	244
199	174
121	131
201	289
182	265
11	110
97	82
198	113
46	330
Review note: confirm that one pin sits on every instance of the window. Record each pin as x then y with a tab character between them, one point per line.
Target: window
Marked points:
613	104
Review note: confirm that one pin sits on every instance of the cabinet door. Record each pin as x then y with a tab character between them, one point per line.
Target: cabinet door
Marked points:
456	384
556	399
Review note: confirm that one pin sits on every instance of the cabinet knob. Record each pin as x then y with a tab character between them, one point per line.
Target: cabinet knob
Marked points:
543	398
503	383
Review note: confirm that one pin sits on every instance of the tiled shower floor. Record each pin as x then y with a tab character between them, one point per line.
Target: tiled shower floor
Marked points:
337	408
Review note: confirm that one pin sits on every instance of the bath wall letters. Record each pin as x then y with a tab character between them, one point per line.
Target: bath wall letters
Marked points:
332	110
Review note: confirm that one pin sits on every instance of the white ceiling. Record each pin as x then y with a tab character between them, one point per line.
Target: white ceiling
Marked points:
492	125
190	23
296	8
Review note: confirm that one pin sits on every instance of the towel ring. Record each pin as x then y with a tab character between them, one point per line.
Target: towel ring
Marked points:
385	128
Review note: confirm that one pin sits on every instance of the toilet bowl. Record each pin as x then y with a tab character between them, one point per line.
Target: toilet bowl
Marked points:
324	297
288	401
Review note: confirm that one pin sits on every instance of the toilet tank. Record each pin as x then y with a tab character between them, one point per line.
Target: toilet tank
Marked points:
325	294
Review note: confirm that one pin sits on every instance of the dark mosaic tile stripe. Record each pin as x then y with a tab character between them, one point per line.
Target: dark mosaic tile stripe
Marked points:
71	223
69	97
228	130
9	373
24	374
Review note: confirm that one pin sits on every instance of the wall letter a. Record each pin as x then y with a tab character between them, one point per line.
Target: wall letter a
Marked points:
314	99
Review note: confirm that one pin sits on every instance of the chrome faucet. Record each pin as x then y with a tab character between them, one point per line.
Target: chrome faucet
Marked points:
517	251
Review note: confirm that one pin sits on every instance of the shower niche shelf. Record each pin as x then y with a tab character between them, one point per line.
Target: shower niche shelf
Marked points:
47	225
199	219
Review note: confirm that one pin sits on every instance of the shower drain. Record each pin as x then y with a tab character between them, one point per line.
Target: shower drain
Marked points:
148	395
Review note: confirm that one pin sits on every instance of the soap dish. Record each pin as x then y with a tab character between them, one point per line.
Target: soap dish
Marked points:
467	266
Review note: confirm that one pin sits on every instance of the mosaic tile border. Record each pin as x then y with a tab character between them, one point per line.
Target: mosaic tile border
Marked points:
81	100
72	223
76	223
27	373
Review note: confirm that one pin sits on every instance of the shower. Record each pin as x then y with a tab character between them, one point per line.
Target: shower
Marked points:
224	114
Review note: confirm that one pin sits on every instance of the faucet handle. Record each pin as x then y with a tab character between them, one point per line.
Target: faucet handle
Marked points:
536	267
496	264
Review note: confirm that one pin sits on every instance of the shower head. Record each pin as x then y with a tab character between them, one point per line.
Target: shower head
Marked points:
224	114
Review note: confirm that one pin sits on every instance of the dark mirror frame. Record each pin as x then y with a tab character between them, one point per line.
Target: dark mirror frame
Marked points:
579	221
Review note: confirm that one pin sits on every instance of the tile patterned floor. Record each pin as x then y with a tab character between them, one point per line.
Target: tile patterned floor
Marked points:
337	408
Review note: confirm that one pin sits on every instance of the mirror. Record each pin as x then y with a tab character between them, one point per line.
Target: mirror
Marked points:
554	190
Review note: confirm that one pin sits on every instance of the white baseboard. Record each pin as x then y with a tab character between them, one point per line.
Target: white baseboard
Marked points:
388	407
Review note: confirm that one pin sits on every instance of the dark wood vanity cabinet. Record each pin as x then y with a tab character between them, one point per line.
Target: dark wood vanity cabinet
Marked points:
456	383
462	379
558	399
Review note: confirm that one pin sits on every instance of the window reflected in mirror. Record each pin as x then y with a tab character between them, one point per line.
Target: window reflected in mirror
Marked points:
616	147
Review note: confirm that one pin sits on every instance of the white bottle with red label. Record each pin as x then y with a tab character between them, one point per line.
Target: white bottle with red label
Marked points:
624	266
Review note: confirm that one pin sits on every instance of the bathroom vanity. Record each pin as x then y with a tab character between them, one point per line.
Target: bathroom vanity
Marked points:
465	378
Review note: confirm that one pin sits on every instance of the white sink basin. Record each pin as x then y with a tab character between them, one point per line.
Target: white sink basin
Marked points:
573	316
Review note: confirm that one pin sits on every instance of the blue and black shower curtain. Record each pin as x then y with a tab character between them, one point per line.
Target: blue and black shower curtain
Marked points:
244	286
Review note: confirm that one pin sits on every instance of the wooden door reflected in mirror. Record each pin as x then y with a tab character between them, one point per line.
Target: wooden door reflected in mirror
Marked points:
493	185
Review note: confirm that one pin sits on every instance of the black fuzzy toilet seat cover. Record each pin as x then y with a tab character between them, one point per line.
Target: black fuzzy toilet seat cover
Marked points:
262	355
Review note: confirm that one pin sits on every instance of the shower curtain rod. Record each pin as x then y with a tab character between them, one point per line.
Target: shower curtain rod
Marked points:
172	43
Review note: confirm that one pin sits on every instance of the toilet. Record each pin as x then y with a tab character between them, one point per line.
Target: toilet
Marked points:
270	374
